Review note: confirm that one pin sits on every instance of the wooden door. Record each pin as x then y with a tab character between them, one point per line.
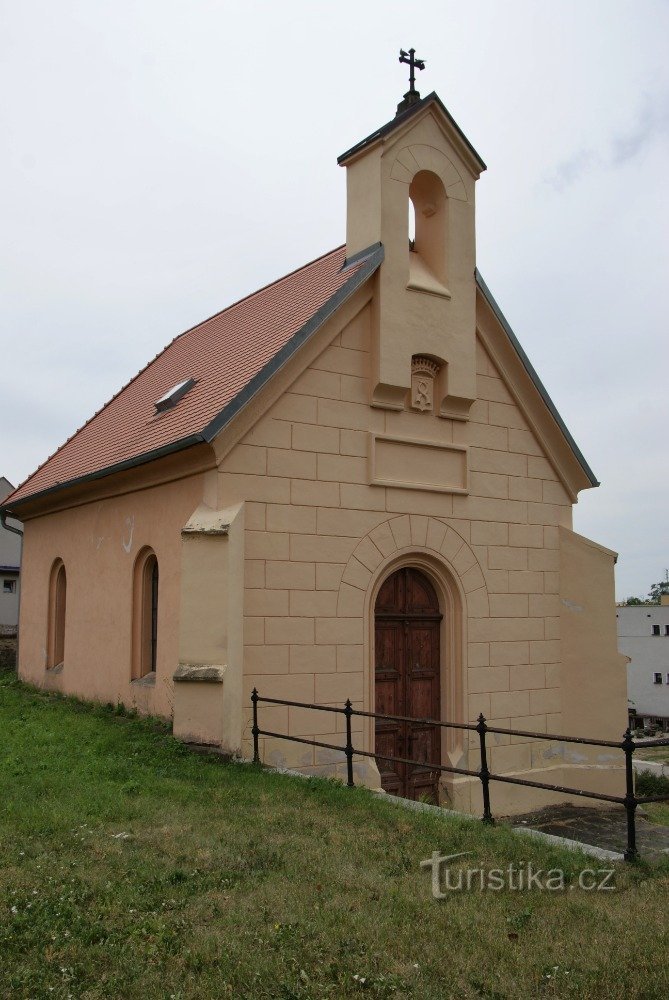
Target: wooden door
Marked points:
407	670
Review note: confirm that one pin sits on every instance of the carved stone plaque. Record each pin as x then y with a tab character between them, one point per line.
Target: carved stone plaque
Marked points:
423	374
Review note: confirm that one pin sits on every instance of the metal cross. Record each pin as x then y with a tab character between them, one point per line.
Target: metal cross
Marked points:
414	64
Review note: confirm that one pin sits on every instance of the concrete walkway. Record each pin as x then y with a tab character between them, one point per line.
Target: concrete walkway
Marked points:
650	767
605	828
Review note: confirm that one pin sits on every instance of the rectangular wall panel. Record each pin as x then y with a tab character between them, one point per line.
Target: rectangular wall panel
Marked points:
411	464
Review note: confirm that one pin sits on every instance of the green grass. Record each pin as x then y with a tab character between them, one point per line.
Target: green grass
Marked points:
657	812
651	784
654	784
132	868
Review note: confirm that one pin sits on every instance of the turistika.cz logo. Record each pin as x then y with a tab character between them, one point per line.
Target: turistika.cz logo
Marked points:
522	877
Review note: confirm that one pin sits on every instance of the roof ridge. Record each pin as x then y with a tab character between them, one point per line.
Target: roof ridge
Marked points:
258	291
155	357
93	416
404	116
365	264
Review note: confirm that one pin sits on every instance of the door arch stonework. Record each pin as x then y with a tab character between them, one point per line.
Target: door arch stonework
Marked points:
435	547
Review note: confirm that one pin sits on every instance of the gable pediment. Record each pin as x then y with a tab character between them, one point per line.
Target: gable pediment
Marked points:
395	130
530	395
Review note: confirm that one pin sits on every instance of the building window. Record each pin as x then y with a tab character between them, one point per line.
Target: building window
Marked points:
666	629
9	586
656	629
57	610
657	678
145	615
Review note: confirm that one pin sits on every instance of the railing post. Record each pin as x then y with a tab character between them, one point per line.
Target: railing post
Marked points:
255	730
631	853
484	773
348	712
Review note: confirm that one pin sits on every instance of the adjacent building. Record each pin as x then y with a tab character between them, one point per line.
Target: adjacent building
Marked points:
10	567
643	636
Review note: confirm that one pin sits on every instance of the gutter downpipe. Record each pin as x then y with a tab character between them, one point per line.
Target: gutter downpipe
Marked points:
16	531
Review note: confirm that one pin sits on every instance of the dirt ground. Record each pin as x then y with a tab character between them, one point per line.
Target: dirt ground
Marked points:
7	653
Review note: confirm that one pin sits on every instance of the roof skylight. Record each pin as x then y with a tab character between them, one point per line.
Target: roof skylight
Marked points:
172	397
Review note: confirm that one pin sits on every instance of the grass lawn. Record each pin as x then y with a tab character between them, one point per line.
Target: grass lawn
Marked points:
657	812
654	784
132	868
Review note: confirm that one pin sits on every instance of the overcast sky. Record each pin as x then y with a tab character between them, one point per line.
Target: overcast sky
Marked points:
162	158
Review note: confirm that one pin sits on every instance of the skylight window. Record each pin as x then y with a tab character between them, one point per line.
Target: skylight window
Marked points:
172	397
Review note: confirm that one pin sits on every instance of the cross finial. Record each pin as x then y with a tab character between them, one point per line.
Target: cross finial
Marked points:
412	96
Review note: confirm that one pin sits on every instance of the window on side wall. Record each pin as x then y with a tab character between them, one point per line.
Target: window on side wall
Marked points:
57	610
145	615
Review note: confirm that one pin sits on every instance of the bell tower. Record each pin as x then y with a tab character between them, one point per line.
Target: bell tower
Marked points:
419	163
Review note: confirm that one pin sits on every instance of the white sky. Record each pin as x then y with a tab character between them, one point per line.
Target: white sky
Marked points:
162	158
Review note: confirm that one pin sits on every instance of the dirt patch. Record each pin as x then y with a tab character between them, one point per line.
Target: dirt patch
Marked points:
8	653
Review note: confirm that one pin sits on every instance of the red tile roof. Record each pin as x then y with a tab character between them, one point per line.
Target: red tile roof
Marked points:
230	355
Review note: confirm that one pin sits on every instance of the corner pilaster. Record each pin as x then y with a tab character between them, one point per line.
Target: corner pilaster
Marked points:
208	680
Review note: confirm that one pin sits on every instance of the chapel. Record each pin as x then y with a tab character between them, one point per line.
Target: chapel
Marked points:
351	484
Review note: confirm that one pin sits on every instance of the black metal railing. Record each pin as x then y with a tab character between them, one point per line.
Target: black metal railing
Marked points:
628	745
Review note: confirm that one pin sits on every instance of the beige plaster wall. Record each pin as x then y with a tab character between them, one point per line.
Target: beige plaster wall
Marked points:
211	633
317	541
594	672
319	538
98	543
408	321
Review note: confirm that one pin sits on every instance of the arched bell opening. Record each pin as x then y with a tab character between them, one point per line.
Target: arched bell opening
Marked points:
428	211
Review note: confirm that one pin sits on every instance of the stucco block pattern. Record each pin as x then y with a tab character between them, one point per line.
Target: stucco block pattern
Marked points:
320	534
313	659
328	575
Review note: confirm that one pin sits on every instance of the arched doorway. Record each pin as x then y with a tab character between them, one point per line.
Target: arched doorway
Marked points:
407	622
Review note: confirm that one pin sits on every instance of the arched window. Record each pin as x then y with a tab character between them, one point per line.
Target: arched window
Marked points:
57	606
428	198
412	226
145	614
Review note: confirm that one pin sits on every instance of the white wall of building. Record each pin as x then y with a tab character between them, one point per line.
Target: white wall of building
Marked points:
10	561
643	635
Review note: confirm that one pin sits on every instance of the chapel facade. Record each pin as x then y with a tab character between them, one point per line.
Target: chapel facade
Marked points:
351	484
